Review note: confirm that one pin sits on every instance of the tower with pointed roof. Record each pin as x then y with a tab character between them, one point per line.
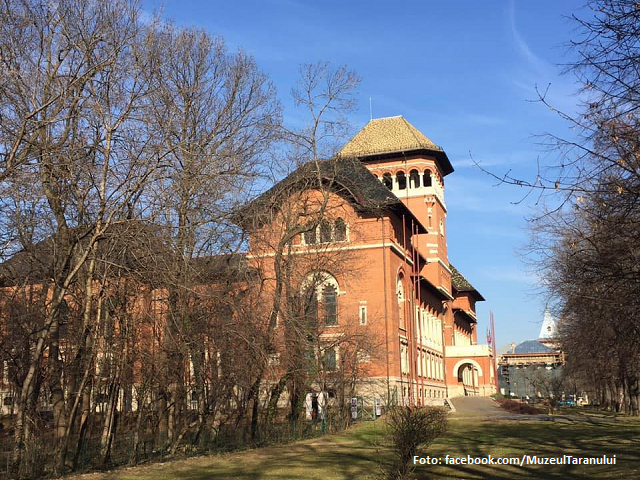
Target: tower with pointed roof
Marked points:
413	167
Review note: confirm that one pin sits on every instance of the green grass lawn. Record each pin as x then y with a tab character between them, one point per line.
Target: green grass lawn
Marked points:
360	452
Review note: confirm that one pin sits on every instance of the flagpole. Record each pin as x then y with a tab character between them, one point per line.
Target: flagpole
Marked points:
495	353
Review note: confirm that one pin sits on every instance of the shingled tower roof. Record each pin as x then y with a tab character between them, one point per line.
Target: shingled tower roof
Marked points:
389	135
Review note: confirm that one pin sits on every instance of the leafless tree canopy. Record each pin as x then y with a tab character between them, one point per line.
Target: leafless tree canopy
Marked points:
587	245
128	310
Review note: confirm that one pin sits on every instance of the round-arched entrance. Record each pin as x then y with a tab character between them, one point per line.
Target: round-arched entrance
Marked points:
467	372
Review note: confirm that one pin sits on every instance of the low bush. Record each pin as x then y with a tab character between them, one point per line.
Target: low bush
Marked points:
411	428
517	407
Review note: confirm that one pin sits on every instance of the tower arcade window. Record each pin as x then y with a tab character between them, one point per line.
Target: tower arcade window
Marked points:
402	180
414	179
387	180
426	178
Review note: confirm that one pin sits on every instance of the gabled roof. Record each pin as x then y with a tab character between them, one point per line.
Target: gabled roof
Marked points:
461	284
128	245
347	177
384	136
125	247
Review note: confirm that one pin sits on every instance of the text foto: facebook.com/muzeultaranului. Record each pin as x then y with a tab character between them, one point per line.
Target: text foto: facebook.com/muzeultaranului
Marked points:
519	461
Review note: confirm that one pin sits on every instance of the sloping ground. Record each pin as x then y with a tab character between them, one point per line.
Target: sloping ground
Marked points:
360	452
347	456
477	407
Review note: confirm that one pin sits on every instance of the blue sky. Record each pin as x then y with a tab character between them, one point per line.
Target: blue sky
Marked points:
465	74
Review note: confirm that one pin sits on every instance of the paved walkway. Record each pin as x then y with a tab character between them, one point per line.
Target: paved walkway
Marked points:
478	407
486	408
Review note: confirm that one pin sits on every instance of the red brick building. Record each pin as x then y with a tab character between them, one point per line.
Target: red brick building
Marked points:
387	213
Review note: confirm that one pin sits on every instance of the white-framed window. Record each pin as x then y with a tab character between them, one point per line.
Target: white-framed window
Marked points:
274	359
424	363
404	357
363	315
363	356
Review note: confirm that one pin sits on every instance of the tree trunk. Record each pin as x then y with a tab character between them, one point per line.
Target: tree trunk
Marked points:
109	425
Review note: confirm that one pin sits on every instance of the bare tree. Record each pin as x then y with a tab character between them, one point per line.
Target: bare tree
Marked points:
215	115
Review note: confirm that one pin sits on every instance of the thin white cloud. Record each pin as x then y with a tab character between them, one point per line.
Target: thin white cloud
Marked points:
536	73
535	62
510	273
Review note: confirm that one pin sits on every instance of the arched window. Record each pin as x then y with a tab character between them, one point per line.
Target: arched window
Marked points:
400	295
330	305
310	307
340	230
387	180
414	179
426	178
325	231
320	293
402	180
311	237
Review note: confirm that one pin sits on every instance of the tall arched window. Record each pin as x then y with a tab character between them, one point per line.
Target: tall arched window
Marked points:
325	231
401	298
402	180
311	237
330	305
387	180
414	179
340	230
426	178
310	307
320	291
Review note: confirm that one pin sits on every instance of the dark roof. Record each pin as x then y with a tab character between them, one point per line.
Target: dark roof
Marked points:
532	346
461	284
133	246
347	177
229	267
127	245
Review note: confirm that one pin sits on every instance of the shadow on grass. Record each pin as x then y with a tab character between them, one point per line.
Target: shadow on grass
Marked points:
359	454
